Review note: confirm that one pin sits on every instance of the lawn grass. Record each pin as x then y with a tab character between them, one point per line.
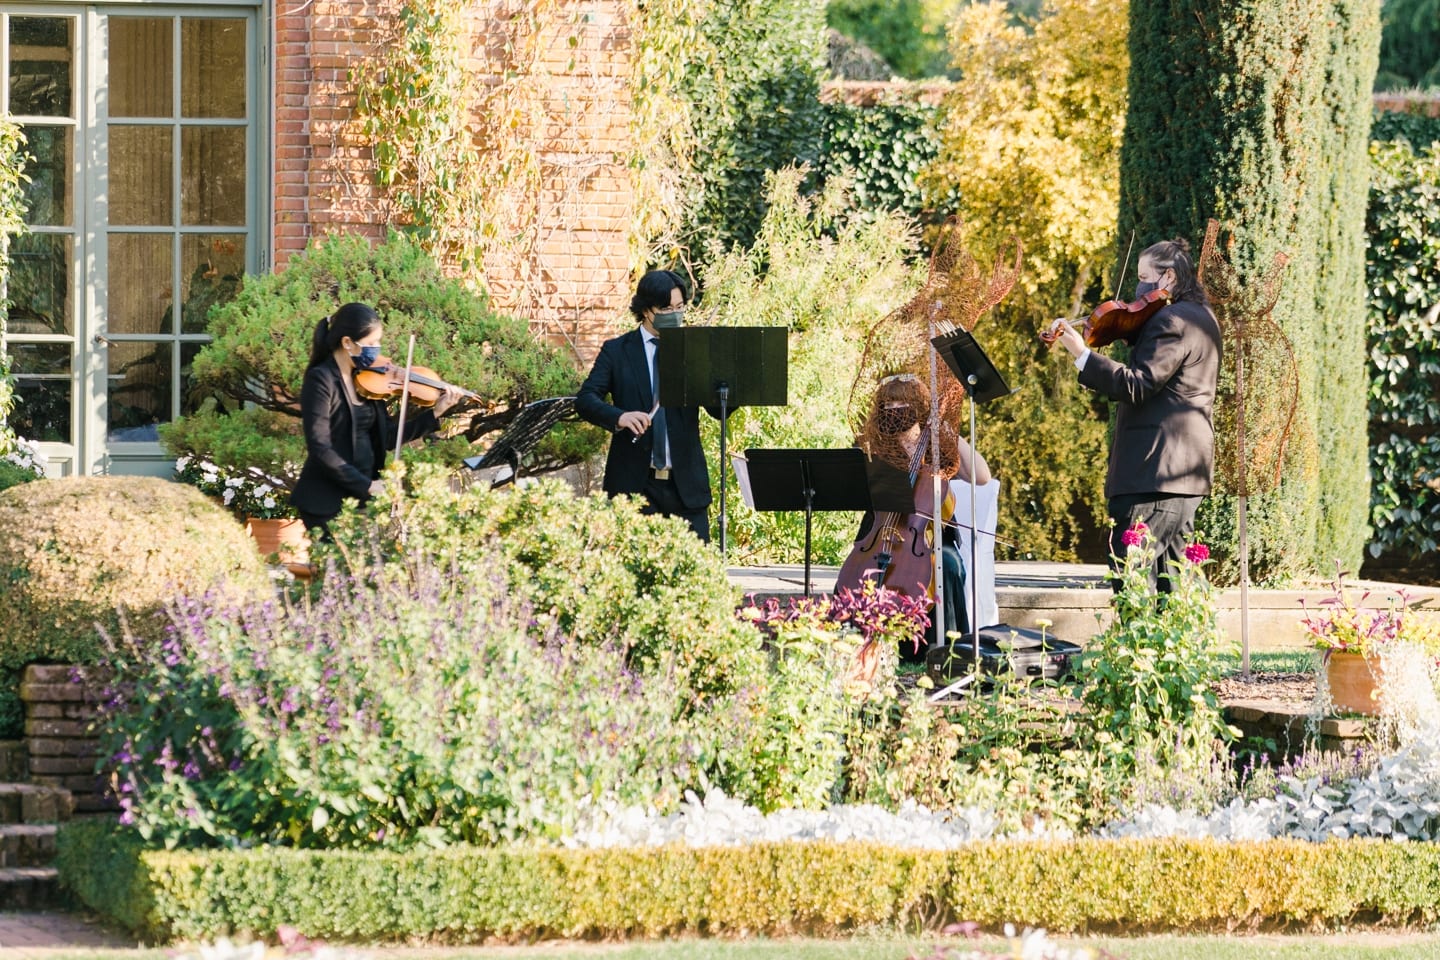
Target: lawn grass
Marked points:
1272	661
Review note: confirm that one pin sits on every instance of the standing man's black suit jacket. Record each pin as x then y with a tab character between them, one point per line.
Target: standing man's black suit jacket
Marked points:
1164	435
622	374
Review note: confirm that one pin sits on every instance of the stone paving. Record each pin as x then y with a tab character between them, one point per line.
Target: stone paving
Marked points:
38	935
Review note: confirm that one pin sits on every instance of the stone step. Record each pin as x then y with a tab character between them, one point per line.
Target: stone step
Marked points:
31	888
31	803
27	844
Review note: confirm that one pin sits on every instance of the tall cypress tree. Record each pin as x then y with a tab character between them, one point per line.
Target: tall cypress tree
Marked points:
1257	113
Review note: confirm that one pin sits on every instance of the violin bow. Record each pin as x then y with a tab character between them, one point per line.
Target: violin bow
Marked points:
1124	265
404	396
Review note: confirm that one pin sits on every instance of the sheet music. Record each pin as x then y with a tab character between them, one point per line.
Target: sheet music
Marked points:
742	475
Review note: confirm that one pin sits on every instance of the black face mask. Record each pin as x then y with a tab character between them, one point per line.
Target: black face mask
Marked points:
898	419
1143	288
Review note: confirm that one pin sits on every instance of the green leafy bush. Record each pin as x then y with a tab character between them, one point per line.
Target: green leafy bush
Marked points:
1403	272
754	75
880	150
775	889
1150	676
1413	126
262	344
388	711
12	221
77	554
829	278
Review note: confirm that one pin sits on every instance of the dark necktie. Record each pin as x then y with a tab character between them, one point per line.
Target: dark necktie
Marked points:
659	451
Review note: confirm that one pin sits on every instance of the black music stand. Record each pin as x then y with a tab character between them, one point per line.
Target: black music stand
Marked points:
527	429
983	383
821	480
738	366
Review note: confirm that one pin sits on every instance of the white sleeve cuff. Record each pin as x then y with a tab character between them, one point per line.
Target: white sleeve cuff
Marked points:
1080	360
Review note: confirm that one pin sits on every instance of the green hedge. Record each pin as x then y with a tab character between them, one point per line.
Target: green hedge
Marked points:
468	895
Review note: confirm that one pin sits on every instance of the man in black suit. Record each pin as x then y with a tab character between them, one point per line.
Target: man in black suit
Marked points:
1162	456
656	451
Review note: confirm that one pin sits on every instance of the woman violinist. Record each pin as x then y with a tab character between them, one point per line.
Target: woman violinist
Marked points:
346	434
897	550
1163	453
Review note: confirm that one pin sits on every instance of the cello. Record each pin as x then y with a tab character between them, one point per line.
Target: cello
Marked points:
897	550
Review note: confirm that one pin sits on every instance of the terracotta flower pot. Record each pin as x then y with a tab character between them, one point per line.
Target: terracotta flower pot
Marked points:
283	538
1354	682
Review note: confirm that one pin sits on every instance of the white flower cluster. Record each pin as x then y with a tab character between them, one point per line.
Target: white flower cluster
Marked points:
718	820
1398	800
27	456
249	493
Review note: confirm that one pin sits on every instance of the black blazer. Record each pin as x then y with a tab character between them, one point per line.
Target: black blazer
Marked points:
622	374
329	474
1164	433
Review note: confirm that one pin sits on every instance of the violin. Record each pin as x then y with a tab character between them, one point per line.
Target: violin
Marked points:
385	379
1115	319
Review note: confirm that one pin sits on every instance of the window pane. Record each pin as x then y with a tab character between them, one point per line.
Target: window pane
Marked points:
138	391
212	61
141	67
192	397
42	390
140	165
211	273
212	185
39	285
41	62
140	283
47	195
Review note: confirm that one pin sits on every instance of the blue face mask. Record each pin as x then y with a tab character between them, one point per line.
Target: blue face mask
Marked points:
1143	288
366	357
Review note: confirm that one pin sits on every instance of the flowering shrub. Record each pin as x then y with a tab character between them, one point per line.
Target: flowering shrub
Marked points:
392	711
1149	680
24	462
820	647
249	493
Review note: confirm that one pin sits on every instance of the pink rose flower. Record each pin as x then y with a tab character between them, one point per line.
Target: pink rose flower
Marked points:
1197	553
1135	535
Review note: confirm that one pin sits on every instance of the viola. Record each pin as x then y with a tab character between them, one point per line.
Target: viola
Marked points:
385	379
1116	320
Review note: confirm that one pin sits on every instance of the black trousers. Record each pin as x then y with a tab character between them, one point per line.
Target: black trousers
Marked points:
663	497
1171	519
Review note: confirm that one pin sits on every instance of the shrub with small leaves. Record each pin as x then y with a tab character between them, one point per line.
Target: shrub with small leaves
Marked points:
82	552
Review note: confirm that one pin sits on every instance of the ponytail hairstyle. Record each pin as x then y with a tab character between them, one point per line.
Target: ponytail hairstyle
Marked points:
653	291
1175	255
354	320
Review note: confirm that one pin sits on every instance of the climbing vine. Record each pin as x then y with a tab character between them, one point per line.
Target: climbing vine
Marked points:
459	104
12	221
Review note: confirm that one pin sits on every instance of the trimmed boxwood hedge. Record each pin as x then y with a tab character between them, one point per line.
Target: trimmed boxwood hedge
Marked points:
469	894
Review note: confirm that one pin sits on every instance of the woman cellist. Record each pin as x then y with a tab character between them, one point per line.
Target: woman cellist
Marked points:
896	550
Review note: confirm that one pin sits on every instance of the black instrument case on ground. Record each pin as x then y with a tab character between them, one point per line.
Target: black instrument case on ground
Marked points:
1032	655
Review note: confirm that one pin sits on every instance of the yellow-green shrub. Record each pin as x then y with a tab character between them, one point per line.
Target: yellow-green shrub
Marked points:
469	895
74	553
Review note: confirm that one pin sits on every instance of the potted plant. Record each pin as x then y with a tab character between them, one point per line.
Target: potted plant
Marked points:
258	499
1353	640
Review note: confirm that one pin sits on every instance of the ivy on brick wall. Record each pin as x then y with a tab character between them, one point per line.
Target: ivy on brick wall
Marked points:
12	221
1402	269
459	153
881	150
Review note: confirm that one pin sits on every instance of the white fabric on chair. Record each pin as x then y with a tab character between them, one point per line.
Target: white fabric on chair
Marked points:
987	505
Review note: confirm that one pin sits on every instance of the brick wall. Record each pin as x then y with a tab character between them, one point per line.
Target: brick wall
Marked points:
569	275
